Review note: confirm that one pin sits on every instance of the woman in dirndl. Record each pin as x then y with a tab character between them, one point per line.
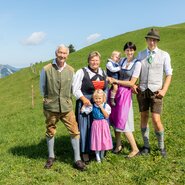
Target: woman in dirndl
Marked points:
86	81
121	116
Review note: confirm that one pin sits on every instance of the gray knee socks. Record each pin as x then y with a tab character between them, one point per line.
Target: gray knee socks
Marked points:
160	138
145	134
50	144
76	148
75	144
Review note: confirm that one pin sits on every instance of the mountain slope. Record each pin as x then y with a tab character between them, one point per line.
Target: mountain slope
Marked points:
172	40
22	143
6	70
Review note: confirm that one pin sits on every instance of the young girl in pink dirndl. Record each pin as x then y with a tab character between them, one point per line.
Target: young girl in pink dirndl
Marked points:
101	139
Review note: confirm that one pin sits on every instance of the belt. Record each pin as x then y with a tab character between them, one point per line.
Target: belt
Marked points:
148	93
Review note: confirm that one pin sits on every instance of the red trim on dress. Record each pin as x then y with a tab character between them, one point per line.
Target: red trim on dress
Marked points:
98	84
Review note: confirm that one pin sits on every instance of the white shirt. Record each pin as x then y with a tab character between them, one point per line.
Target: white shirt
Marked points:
112	68
88	109
77	81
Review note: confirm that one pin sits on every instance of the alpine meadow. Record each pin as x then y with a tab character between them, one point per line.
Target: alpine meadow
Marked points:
23	149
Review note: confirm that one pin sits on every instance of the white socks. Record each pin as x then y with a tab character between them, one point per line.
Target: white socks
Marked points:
99	155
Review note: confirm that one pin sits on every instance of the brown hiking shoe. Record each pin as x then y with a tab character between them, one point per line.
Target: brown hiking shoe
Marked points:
79	165
163	152
49	163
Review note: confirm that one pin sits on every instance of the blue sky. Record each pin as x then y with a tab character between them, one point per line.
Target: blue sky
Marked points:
30	30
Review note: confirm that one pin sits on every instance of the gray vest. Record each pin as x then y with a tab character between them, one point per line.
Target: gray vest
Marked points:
58	92
151	76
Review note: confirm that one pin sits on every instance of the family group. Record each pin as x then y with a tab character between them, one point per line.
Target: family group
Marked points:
104	98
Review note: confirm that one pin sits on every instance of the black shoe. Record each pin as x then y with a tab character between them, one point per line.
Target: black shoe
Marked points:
79	165
49	163
86	159
163	152
118	151
145	151
87	162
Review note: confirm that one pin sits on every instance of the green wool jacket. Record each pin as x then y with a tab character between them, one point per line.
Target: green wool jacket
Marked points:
58	91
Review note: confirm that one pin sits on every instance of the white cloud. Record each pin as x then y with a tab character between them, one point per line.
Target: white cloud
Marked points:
35	38
93	37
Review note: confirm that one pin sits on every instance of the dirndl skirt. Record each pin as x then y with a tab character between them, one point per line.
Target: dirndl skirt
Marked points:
84	124
100	135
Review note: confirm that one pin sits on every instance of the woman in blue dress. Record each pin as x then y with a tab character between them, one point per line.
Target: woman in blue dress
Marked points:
86	81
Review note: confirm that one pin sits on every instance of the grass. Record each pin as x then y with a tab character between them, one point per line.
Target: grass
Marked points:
23	149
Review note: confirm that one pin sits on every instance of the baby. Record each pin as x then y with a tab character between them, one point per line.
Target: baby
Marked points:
113	69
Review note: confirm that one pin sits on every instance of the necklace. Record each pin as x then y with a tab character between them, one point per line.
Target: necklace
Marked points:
128	63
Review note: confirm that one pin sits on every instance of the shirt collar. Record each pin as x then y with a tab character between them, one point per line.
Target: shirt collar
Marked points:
154	51
90	69
59	68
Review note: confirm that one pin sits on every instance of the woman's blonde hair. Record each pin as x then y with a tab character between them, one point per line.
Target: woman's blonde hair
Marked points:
98	92
93	54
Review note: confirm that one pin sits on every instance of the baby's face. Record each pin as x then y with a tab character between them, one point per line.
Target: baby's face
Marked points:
116	57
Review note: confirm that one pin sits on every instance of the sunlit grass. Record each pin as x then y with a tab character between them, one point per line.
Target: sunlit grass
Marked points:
23	149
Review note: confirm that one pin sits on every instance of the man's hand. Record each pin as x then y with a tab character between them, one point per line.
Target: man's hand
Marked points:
160	93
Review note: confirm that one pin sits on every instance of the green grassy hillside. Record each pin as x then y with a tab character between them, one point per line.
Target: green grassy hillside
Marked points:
23	148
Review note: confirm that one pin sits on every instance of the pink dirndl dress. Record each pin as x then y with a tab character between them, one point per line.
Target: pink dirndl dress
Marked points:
100	132
119	113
